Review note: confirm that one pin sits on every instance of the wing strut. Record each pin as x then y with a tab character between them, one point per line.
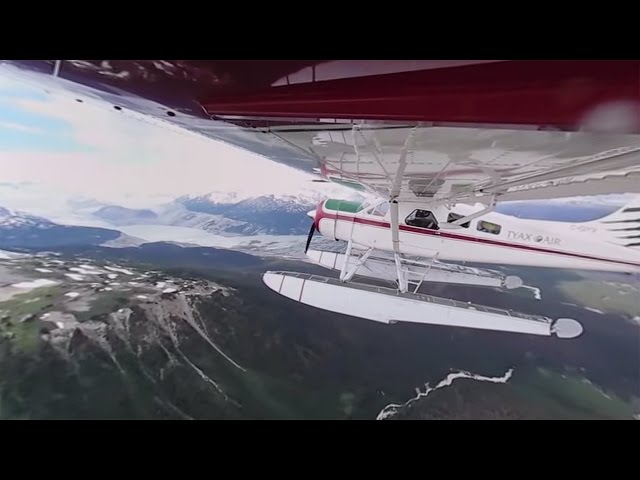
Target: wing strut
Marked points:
356	129
393	207
395	238
56	68
345	265
402	164
617	158
363	259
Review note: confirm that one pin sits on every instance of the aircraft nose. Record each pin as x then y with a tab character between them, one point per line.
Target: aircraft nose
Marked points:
316	215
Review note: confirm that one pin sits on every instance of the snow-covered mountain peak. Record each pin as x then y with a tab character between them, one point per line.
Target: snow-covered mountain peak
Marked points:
12	218
305	194
5	212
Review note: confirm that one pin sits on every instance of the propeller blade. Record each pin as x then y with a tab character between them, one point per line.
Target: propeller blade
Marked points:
310	236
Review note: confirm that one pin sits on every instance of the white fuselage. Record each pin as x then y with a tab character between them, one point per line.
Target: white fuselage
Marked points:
492	238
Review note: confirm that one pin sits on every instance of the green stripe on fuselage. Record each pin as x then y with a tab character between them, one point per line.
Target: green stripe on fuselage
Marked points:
343	206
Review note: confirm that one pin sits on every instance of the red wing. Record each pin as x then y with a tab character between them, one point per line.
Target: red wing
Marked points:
409	128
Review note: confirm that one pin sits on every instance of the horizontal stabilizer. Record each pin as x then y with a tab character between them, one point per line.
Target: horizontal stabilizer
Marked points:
622	227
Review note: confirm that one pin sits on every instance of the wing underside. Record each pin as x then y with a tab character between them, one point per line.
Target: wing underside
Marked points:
431	131
452	163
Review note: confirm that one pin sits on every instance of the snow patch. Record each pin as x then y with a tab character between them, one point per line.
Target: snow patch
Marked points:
71	294
84	271
42	270
120	270
75	276
391	409
112	275
41	282
595	310
169	290
141	297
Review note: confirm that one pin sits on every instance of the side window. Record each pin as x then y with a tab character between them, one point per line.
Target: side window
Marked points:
454	216
489	227
422	219
367	208
381	210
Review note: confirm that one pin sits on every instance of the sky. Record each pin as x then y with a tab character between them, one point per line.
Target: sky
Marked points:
52	147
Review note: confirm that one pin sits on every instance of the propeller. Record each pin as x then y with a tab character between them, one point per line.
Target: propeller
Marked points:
310	236
311	231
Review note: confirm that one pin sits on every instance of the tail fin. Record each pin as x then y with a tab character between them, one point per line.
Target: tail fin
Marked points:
622	227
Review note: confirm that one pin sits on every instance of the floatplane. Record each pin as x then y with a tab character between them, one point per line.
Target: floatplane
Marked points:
412	243
439	143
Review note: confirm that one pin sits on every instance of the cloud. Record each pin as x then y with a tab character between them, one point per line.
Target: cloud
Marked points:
99	176
132	161
104	129
19	127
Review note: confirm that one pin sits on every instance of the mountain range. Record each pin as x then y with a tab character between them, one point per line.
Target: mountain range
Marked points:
262	215
163	332
228	214
276	223
22	230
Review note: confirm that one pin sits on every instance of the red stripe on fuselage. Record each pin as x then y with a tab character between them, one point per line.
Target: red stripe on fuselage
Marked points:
320	214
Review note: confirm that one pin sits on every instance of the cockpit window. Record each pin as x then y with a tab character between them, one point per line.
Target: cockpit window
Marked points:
381	210
452	217
489	227
366	206
422	219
